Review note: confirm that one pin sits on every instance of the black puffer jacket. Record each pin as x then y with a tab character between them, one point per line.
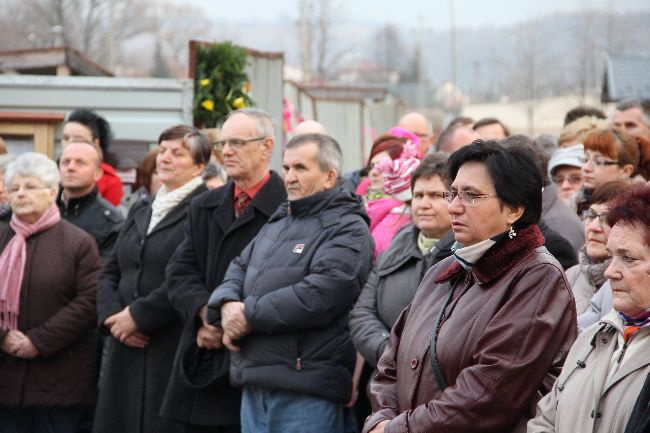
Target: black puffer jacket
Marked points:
96	216
391	285
298	280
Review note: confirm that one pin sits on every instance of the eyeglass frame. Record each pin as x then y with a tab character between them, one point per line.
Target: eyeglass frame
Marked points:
555	181
11	191
591	216
235	143
597	162
470	197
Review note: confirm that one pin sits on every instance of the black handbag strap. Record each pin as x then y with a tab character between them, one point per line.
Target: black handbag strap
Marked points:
437	373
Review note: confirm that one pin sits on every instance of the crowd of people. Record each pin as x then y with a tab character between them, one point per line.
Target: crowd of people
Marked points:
467	281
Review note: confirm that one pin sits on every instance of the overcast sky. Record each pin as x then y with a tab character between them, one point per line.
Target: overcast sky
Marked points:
431	13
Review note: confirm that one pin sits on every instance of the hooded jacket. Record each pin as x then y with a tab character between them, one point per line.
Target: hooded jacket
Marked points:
298	280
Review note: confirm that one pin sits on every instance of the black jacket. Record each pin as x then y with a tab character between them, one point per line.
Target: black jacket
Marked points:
213	237
298	280
134	380
96	216
391	285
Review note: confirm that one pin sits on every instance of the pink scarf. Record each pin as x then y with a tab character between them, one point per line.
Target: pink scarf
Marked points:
12	263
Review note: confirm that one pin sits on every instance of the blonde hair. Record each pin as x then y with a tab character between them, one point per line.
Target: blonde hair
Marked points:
576	131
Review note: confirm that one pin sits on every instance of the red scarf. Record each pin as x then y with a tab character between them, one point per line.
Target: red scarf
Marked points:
12	263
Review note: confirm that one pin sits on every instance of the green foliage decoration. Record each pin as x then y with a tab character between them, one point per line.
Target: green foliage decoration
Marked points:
221	84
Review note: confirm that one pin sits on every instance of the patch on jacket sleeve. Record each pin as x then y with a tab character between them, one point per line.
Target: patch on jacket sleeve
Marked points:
298	249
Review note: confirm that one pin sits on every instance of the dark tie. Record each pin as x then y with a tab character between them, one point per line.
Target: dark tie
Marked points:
241	203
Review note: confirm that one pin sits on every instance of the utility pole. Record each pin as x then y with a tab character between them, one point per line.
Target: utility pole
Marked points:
452	48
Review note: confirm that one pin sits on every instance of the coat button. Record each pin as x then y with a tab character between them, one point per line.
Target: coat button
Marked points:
136	295
414	364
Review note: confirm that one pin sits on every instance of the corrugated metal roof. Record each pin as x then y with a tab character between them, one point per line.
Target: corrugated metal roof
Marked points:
626	77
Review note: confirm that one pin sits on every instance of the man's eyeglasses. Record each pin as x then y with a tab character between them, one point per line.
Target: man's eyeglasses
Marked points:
27	188
466	197
574	179
597	160
235	143
588	216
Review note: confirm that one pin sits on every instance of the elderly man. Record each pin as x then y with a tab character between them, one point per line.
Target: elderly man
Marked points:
79	201
633	117
420	126
219	225
284	302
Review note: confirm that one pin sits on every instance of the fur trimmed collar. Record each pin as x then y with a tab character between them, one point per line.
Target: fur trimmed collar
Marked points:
500	257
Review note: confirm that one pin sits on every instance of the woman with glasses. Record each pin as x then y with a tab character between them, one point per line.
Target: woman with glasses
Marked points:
609	155
48	280
565	168
398	270
588	276
607	366
132	299
489	328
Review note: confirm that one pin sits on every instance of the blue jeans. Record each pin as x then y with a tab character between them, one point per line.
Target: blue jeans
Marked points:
275	411
39	420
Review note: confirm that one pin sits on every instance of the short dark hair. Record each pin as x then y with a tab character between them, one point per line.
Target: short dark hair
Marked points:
329	154
146	169
642	104
632	207
197	143
583	111
490	121
434	164
99	128
535	149
608	191
515	175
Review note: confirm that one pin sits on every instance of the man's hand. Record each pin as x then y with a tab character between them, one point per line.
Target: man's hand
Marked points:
137	340
379	428
209	337
19	345
235	325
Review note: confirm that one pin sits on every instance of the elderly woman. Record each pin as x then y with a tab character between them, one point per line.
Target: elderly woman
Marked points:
609	155
132	300
609	362
398	271
47	306
588	276
488	328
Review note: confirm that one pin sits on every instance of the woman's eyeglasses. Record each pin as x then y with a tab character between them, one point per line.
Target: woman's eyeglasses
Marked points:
597	160
574	179
466	197
588	216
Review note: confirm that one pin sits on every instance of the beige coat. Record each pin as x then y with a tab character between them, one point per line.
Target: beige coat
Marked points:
599	395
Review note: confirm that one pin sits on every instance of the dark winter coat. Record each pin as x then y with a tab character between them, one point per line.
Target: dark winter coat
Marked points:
96	216
298	280
503	338
134	380
213	237
57	313
390	288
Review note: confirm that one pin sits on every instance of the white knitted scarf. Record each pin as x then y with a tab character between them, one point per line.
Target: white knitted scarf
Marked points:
166	201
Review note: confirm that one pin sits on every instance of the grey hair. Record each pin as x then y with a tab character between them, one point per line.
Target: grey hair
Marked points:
5	160
643	105
329	154
212	169
263	122
34	165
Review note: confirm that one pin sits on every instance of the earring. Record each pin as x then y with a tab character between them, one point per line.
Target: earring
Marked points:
512	233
